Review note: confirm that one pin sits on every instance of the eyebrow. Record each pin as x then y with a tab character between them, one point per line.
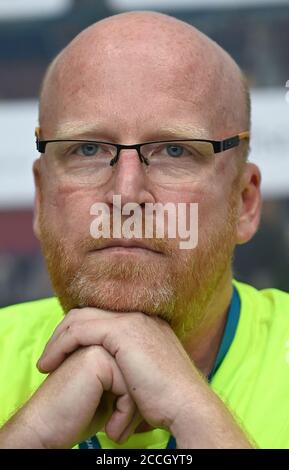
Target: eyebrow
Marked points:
79	130
183	131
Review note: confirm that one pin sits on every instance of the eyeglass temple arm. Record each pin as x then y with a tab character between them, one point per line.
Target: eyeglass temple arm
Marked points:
244	135
231	142
39	145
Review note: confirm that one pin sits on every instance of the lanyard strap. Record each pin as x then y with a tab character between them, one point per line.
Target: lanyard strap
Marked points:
229	332
91	443
228	336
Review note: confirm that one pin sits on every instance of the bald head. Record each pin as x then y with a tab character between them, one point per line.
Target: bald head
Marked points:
119	65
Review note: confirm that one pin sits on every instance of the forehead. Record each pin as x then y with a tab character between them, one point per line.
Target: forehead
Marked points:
140	86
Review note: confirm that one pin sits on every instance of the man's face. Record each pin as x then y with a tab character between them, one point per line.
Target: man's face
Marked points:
130	95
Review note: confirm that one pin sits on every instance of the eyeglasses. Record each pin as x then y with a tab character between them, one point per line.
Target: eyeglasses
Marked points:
164	162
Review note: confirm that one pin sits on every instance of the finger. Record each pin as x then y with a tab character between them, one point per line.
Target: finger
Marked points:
121	418
86	333
96	370
83	314
102	414
123	413
135	422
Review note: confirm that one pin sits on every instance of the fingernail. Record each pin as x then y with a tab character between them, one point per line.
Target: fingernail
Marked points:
39	363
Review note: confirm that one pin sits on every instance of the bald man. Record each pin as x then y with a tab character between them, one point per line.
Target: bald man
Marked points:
146	344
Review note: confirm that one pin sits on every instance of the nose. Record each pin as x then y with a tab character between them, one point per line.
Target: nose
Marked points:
129	179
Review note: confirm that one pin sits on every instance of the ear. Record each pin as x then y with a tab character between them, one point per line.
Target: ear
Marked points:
250	203
37	198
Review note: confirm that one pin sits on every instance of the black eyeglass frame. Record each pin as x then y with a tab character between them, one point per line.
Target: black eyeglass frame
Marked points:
218	145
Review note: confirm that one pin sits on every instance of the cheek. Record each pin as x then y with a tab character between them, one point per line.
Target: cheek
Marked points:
212	199
215	196
211	209
66	211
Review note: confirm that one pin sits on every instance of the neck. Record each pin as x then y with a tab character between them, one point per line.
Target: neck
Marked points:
203	345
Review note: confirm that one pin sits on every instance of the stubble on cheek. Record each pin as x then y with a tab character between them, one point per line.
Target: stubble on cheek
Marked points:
176	285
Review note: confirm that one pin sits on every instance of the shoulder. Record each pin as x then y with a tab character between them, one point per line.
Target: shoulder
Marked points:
28	313
31	307
264	321
25	328
254	377
28	323
266	305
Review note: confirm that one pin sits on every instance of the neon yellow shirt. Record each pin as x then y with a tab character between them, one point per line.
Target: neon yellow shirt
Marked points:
252	380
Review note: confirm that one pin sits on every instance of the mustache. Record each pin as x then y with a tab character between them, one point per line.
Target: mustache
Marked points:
156	239
161	245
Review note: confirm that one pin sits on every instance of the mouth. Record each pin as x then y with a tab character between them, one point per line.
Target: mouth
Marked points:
123	246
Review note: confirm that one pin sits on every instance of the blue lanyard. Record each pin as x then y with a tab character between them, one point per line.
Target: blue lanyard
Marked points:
228	336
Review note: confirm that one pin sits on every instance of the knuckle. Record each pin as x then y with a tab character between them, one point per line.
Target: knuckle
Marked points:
75	312
94	358
139	318
93	351
143	322
135	324
72	330
72	312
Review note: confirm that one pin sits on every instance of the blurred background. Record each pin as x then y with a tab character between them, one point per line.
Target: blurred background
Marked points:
32	32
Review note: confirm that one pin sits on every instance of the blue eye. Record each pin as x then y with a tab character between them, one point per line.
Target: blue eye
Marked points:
175	150
89	150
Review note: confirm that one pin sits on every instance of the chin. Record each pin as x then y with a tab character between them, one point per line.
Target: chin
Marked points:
119	296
